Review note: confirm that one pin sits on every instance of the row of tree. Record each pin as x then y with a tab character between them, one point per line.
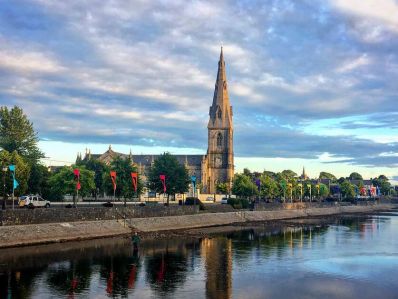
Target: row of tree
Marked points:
19	147
288	185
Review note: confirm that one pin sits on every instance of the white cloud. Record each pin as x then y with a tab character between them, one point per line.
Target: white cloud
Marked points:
28	62
350	65
383	11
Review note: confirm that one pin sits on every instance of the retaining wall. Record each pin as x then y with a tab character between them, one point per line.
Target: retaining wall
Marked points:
214	219
20	235
53	215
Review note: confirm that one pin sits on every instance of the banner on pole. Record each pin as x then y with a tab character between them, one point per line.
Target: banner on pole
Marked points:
113	178
134	179
258	184
15	183
76	172
163	179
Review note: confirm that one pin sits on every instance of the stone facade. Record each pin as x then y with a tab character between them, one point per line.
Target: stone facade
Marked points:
217	166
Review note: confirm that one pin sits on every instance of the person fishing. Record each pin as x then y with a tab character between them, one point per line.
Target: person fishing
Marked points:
136	240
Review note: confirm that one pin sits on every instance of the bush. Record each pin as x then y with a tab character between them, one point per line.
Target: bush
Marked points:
190	201
238	203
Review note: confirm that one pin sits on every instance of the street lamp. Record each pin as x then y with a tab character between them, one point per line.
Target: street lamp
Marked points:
4	187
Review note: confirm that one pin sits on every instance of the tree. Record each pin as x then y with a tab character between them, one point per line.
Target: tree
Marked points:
100	170
124	184
17	134
323	190
289	174
383	183
269	187
22	170
243	186
355	176
222	188
177	177
38	180
347	189
327	175
63	182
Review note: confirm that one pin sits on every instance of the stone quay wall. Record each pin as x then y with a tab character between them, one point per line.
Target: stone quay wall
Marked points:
54	215
33	234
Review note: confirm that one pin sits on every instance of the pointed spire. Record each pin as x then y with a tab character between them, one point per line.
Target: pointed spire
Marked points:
220	111
110	147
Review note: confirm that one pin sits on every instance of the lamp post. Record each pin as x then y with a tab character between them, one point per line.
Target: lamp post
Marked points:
4	206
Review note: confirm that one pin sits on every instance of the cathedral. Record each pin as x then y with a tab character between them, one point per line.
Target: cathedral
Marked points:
217	166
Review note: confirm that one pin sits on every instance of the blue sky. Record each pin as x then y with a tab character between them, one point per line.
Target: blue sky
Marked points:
313	83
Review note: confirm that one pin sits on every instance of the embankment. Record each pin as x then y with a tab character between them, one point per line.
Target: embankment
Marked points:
22	235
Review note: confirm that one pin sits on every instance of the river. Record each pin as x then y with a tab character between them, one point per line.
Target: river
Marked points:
344	257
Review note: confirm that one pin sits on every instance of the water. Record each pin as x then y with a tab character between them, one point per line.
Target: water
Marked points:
352	257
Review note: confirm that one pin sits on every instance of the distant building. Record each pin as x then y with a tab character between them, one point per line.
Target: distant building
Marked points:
304	176
217	166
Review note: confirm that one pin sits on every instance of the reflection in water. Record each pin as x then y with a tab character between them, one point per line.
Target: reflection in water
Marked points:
217	254
338	260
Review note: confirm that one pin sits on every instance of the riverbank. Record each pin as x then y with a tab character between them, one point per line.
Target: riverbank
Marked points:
23	235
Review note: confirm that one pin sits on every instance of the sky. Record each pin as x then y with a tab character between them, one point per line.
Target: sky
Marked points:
312	82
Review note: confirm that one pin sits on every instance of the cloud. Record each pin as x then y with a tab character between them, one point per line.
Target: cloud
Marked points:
28	62
140	72
354	64
385	11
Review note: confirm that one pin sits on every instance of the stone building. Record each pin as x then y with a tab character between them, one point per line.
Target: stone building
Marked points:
217	166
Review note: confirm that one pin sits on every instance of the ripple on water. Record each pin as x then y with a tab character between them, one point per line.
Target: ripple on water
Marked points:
361	267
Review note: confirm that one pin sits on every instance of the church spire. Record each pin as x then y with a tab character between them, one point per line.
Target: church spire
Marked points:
220	111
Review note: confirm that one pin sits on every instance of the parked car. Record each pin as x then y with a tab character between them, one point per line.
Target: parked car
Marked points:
210	198
33	201
224	200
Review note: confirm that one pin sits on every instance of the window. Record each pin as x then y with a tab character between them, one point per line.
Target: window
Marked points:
219	140
219	114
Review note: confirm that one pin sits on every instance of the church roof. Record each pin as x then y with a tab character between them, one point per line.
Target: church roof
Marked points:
191	160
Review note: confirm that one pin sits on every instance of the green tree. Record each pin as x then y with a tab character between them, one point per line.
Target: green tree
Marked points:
269	187
222	188
243	186
327	175
323	190
124	185
17	134
355	176
177	177
347	189
38	180
63	182
289	174
101	171
383	183
22	170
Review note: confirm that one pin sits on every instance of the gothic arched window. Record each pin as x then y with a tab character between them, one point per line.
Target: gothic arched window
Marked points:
219	140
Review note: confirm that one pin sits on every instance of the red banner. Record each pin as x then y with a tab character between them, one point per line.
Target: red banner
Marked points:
76	172
134	178
163	179
113	177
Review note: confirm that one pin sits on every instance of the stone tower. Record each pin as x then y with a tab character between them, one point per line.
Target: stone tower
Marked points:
220	154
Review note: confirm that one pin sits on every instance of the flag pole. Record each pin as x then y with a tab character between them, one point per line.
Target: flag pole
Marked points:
77	197
13	187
